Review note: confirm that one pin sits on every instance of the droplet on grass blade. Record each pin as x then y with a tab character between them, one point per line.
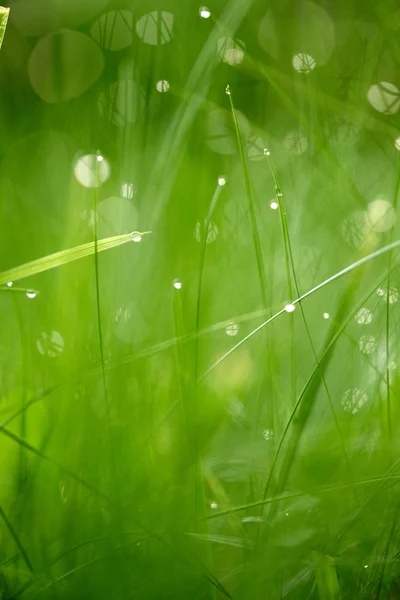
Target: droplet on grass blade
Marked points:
31	294
274	205
204	12
177	283
290	308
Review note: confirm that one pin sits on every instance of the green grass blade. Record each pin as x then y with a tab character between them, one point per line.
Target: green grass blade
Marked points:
4	12
327	581
64	257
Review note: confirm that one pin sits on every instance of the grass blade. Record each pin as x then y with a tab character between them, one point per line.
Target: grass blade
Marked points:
66	256
4	12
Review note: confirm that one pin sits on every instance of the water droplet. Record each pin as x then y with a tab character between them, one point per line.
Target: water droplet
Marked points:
365	566
228	90
100	158
267	152
204	12
177	283
10	284
136	237
274	205
214	505
290	308
278	192
326	315
287	513
221	181
31	294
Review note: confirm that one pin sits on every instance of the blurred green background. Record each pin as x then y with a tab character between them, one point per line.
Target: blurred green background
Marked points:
169	430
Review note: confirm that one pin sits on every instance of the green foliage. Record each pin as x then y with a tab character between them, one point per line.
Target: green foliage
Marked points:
210	411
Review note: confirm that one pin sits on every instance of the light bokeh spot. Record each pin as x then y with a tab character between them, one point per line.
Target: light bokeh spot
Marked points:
303	63
353	400
364	316
162	86
113	30
64	65
367	344
295	142
91	173
50	344
384	97
230	51
381	215
156	28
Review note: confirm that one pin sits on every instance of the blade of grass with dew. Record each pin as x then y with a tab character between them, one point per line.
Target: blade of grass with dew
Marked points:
64	257
290	264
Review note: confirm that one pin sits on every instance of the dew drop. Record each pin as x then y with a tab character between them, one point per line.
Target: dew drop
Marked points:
31	294
326	315
290	308
267	152
228	90
274	205
204	12
10	284
221	181
177	283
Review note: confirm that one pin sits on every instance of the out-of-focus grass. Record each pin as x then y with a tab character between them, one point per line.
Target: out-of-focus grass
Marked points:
168	429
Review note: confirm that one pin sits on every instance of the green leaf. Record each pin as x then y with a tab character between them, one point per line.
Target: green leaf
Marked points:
66	256
327	582
4	12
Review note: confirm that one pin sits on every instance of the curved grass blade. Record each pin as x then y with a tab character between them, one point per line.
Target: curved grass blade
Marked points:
16	539
66	256
349	269
250	201
4	12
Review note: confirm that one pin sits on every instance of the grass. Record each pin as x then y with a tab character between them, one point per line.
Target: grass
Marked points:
167	428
